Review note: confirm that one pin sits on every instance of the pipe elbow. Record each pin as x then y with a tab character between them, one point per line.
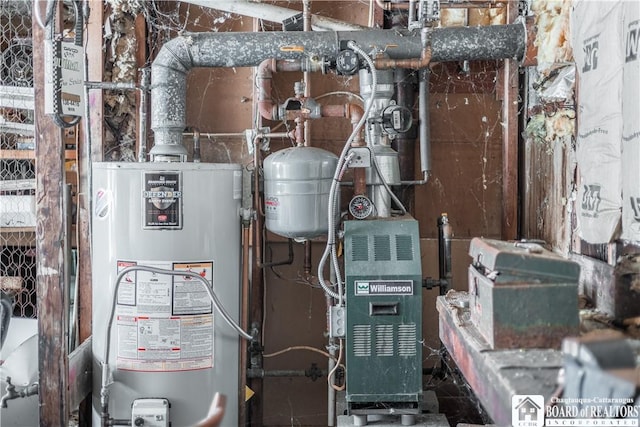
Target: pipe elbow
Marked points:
264	76
175	55
412	63
266	69
354	112
268	110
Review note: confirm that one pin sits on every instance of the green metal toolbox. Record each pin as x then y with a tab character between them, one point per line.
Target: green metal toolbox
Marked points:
522	295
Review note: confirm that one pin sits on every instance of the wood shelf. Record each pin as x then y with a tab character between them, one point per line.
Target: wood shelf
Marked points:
18	236
4	230
31	155
26	236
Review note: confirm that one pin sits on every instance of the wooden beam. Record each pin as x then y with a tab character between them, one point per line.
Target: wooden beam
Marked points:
89	149
141	60
50	241
86	154
510	140
95	58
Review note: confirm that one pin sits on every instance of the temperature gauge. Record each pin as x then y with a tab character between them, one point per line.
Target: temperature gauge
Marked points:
360	207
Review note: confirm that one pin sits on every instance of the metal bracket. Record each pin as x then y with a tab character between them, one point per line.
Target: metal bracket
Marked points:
361	157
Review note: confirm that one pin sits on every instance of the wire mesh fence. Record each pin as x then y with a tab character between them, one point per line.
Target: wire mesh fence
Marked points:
17	163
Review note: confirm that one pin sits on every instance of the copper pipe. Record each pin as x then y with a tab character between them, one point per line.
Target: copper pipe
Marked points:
413	63
349	111
244	314
257	205
353	112
264	76
335	110
306	76
359	181
300	127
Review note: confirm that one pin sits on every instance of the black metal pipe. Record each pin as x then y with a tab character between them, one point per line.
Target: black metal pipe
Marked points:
445	234
287	261
405	143
243	49
307	257
262	373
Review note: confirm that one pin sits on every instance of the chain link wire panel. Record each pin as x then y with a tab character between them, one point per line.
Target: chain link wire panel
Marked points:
17	164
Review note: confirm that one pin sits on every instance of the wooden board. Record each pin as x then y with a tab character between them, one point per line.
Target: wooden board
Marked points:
50	238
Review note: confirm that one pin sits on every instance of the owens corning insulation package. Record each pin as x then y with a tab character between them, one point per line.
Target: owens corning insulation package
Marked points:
598	50
552	37
631	123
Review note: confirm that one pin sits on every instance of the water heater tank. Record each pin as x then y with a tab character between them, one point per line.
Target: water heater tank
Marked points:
297	181
169	349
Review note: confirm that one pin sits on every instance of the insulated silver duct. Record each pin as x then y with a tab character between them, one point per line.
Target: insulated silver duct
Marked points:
242	49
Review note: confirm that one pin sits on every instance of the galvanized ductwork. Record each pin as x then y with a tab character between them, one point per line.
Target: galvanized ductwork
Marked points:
242	49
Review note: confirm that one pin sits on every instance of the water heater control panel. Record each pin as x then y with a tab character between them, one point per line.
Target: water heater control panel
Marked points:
150	413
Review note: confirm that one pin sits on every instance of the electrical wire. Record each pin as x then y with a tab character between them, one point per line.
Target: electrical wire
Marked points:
330	249
341	93
299	347
38	14
371	13
333	371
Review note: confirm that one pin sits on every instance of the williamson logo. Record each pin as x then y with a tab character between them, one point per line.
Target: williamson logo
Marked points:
527	410
362	288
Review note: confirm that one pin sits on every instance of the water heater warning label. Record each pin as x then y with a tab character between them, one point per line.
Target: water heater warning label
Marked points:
164	322
162	200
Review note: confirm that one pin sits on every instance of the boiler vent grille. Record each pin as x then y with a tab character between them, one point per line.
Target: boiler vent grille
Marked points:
384	340
360	248
407	340
362	340
382	247
404	247
388	341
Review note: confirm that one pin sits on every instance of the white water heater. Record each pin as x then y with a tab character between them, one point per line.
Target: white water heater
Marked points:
169	349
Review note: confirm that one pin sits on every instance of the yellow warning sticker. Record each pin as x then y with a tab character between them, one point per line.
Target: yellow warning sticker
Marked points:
292	48
248	393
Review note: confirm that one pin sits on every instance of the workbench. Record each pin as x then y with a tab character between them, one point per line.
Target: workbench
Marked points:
494	375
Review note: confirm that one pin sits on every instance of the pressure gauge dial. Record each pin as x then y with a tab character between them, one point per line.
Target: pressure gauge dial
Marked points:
360	207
